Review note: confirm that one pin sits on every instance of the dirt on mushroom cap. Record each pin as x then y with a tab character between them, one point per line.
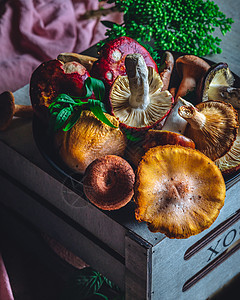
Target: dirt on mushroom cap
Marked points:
179	191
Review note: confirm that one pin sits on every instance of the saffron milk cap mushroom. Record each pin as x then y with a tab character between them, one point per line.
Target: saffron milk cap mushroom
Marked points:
137	99
178	191
190	69
87	140
212	125
217	84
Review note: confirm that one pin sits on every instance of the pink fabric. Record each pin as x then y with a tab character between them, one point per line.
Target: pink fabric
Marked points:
5	288
34	31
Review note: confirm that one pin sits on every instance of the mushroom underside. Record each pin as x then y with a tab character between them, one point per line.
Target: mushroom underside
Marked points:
160	102
218	131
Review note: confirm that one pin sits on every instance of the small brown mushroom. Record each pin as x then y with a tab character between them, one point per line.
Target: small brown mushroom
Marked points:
212	125
109	182
190	68
8	109
166	69
217	84
85	60
178	191
137	100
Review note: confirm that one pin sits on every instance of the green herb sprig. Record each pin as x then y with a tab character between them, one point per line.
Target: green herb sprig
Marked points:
86	283
176	25
65	110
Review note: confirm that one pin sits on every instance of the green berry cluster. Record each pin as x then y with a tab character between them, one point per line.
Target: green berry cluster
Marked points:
176	25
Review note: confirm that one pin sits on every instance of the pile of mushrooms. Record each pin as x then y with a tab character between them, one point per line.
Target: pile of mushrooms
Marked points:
177	151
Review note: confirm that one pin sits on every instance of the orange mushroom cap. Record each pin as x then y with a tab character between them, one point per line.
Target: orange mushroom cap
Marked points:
179	191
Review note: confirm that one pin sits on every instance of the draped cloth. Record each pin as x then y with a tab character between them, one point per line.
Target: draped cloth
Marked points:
33	31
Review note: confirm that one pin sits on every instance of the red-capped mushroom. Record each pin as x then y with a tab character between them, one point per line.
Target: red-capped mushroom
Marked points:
52	78
111	62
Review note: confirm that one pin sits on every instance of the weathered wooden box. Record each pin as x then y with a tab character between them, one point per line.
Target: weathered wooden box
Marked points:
146	265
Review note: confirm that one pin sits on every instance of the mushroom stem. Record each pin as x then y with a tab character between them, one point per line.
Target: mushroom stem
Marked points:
85	60
8	109
137	73
195	118
23	111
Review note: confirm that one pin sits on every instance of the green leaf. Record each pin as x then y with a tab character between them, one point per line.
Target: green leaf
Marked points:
108	24
96	107
61	118
73	120
89	87
101	295
131	137
95	86
84	284
64	98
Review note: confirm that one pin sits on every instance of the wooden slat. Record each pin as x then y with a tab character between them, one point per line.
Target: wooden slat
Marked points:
12	196
138	260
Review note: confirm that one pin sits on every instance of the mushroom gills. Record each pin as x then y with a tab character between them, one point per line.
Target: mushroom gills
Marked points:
225	93
212	125
218	85
137	99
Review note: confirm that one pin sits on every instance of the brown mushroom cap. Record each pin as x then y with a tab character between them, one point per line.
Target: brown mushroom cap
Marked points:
212	125
217	75
109	182
155	138
7	107
178	191
190	68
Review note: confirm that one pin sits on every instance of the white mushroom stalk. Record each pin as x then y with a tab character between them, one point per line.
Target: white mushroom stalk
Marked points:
196	119
137	99
137	72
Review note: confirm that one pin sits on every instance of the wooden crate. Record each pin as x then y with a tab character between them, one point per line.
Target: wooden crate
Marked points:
146	265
